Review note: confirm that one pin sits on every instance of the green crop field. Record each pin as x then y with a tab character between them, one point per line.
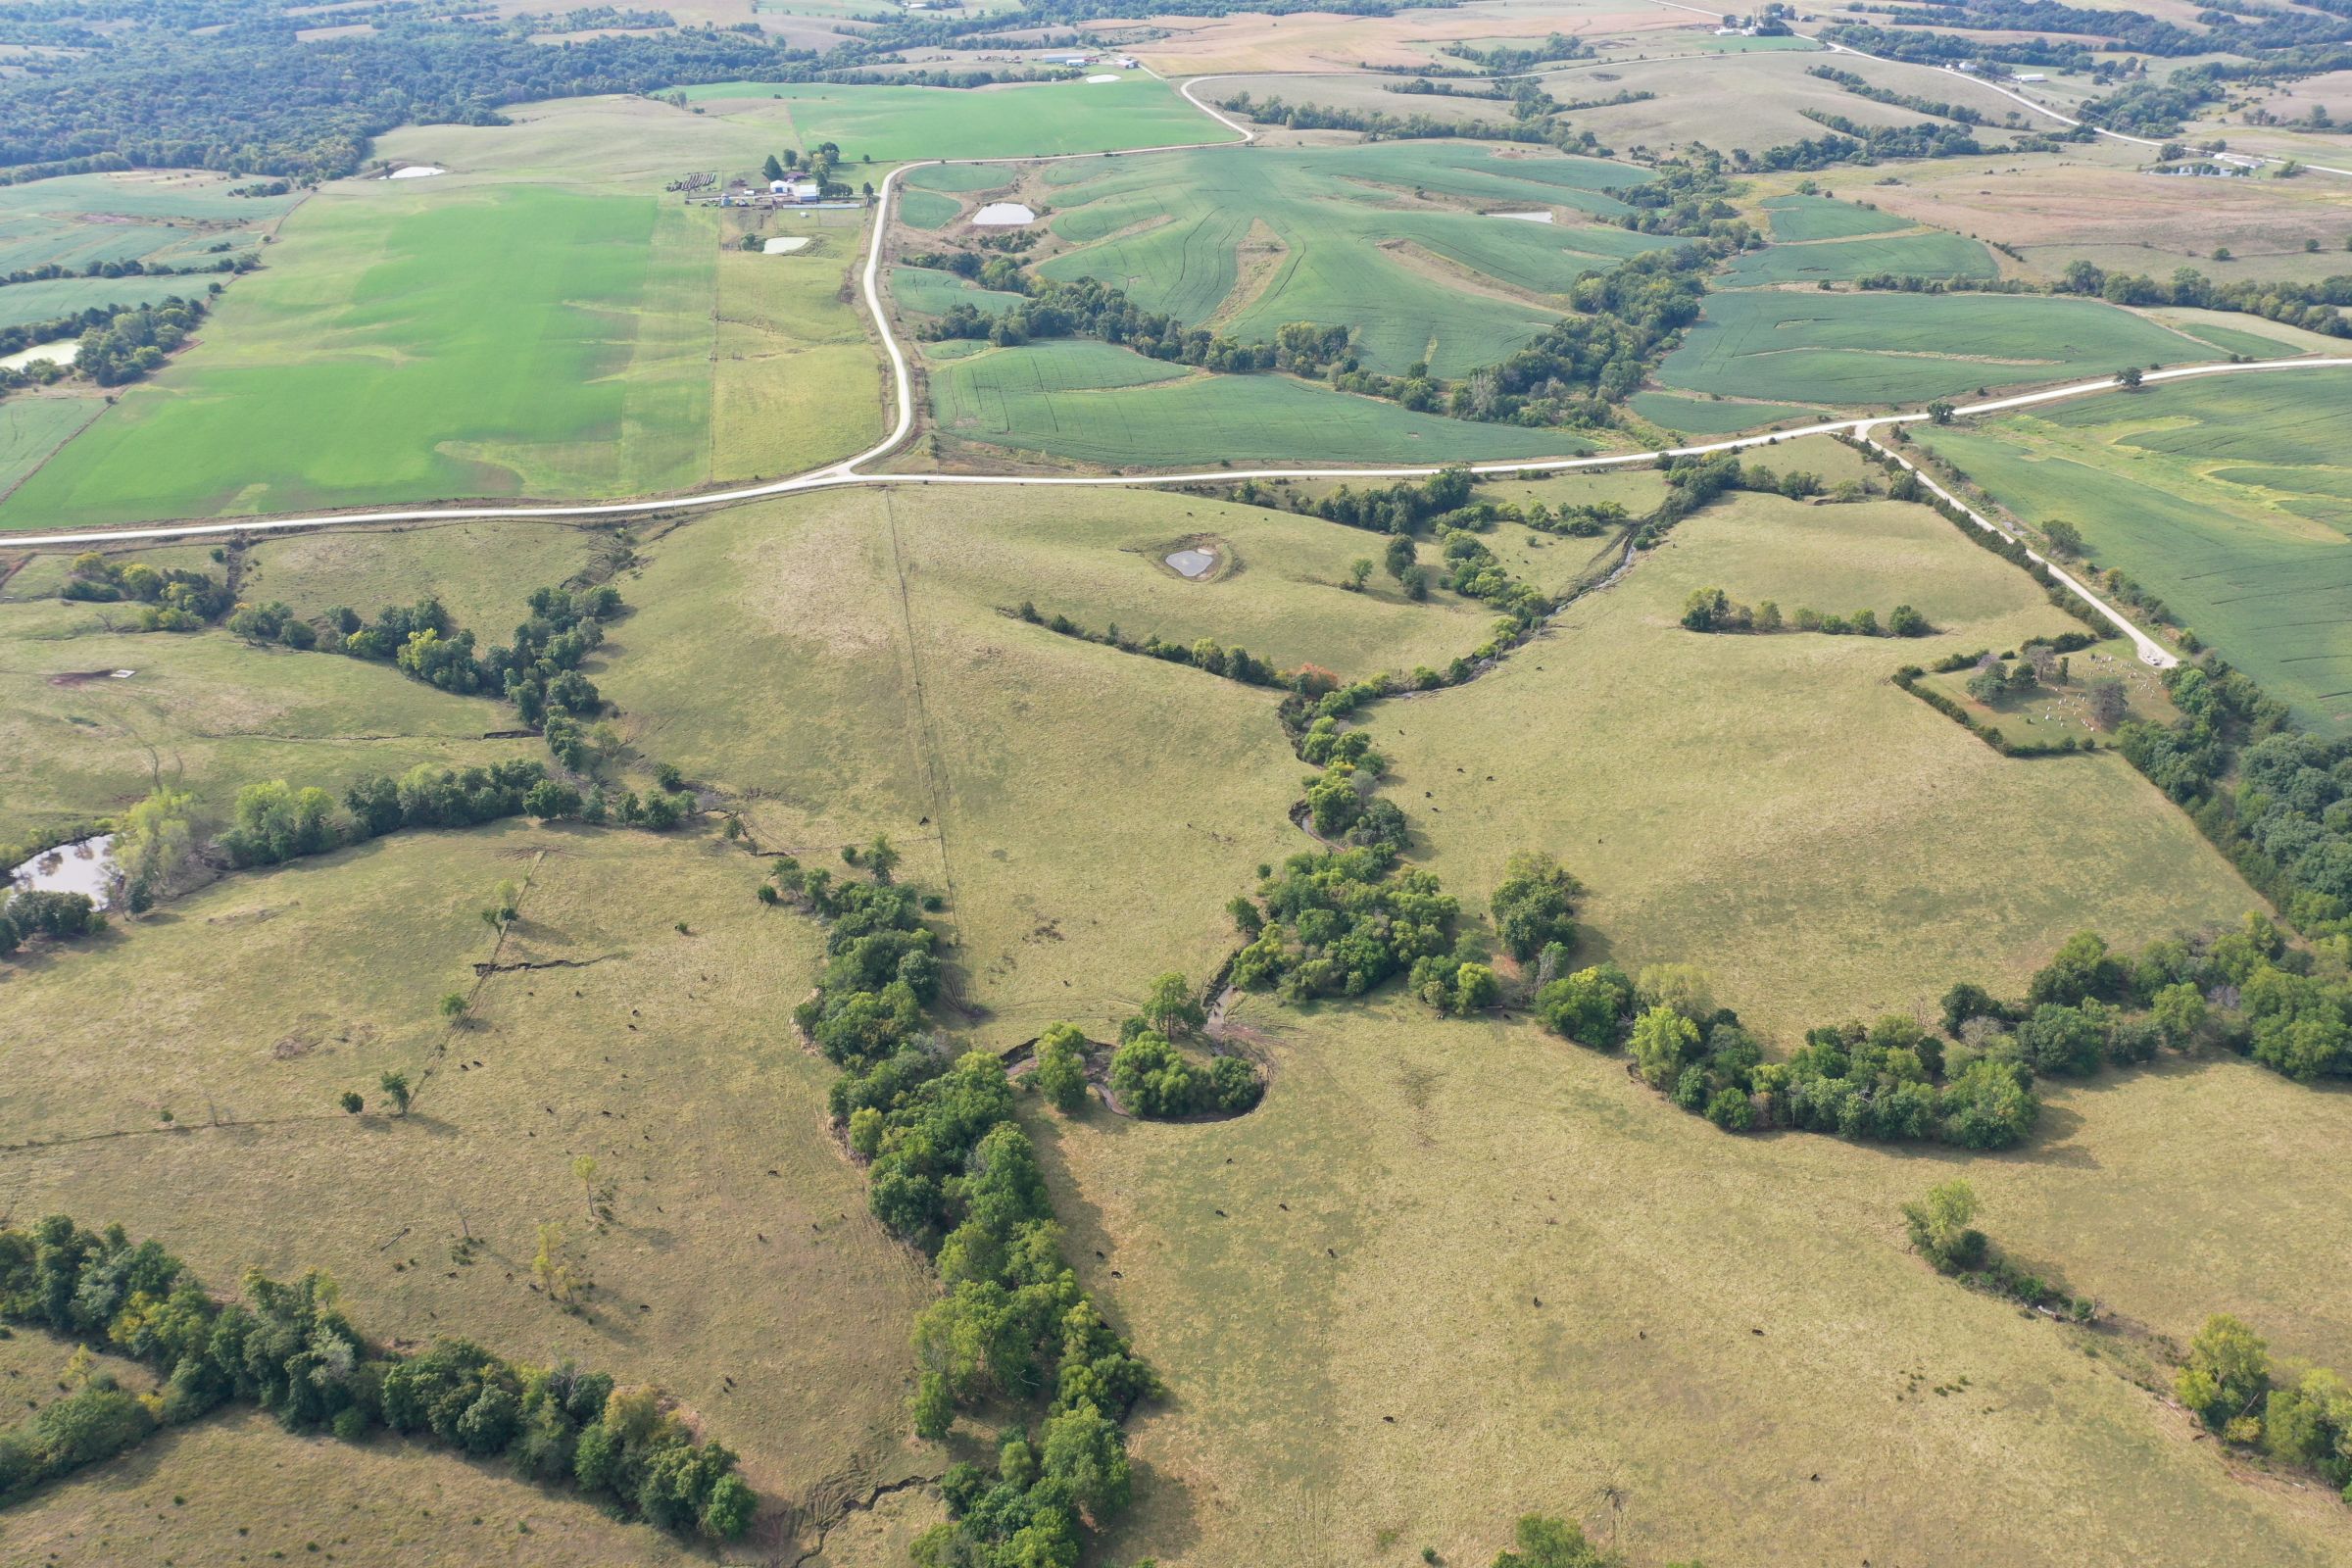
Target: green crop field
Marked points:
1381	238
171	219
962	178
932	292
23	304
924	209
2230	499
1093	403
1708	416
1865	349
893	125
31	428
1931	254
1807	217
624	346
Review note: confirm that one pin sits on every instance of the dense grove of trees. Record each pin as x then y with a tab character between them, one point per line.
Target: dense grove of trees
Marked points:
951	1170
2270	796
1153	1076
1338	923
117	343
289	1350
1853	142
39	912
2313	307
172	599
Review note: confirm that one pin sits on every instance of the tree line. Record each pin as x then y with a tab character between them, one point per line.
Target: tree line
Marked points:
1712	610
951	1171
290	1350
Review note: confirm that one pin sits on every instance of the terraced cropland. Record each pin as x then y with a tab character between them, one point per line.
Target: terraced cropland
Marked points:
1093	403
1393	239
1925	252
2230	497
1877	349
625	344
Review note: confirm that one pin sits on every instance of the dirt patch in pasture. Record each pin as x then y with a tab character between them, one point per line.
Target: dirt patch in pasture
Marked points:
1258	262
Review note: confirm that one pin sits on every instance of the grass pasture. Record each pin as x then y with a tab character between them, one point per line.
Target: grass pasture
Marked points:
1857	810
1089	402
1599	1260
929	291
2230	499
896	124
1387	238
742	1248
1871	349
32	427
2093	205
239	1489
204	714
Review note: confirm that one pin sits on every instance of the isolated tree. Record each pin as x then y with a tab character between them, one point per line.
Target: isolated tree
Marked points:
772	168
1941	412
1359	572
453	1006
352	1103
1940	1227
1904	621
2109	706
881	858
1399	556
2129	375
2065	539
395	1086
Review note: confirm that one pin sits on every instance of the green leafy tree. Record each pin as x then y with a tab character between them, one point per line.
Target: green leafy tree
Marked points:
2229	1369
1585	1007
395	1086
1940	1227
1061	1066
1663	1043
1171	1007
1542	1542
1535	905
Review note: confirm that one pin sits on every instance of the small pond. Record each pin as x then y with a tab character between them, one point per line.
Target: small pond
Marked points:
785	245
1196	561
417	172
64	351
1004	215
82	868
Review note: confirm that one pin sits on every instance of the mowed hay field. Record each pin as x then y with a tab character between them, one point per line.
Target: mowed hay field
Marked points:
1392	240
616	347
741	1271
2230	497
1774	809
893	124
1452	1272
1095	403
1863	349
